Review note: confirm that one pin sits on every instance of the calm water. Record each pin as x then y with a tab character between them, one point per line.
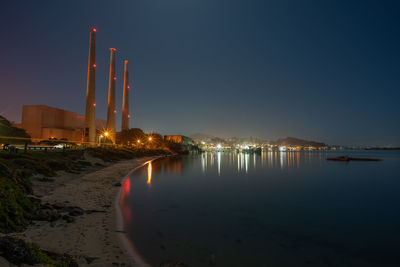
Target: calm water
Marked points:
273	209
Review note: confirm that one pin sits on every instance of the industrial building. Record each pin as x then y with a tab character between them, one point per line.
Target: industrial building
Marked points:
44	122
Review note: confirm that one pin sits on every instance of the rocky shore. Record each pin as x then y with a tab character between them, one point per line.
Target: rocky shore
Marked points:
75	218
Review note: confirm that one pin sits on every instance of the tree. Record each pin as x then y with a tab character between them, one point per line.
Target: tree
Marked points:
131	136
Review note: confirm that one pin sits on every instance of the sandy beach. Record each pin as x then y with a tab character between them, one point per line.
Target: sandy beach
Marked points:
96	238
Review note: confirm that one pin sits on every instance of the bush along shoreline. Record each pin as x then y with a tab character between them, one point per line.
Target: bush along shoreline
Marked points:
19	207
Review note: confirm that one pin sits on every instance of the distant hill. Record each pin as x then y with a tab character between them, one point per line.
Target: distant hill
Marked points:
292	141
6	129
201	137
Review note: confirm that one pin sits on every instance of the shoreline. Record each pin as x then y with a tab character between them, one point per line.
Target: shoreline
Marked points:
96	238
120	232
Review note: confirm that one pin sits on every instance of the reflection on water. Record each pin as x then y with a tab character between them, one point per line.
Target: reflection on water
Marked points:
175	166
149	169
219	162
124	201
268	209
266	159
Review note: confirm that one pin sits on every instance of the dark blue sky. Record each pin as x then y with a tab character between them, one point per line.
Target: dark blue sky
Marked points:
323	70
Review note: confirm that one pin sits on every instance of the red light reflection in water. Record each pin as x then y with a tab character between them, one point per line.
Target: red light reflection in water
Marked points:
124	202
127	185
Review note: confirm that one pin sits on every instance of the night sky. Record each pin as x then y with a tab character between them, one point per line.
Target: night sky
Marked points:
319	70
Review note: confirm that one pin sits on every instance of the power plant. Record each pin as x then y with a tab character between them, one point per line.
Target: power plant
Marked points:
43	122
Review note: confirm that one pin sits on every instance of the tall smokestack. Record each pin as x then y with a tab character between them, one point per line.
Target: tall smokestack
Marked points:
90	115
125	100
111	97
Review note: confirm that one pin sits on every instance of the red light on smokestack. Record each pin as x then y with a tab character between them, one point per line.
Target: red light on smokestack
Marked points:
94	65
126	61
115	78
94	30
94	104
115	111
129	87
129	116
113	49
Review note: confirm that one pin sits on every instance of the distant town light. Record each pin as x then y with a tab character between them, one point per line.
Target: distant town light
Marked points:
138	141
106	133
219	146
150	138
203	143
